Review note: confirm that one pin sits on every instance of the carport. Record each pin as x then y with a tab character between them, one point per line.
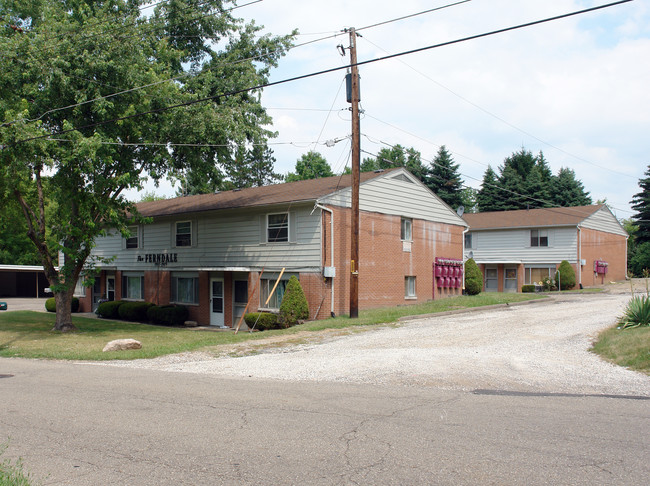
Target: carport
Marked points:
23	281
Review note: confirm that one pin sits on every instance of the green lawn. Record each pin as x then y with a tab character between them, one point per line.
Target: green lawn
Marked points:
625	347
29	334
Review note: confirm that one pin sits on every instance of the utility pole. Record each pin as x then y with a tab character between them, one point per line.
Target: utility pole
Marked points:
356	162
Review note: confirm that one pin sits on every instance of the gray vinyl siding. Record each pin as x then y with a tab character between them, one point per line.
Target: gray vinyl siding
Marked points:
604	220
223	239
395	196
514	246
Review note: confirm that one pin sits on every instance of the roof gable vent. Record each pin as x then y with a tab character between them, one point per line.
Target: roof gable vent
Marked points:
403	178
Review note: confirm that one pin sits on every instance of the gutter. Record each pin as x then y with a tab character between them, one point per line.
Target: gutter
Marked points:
323	208
580	256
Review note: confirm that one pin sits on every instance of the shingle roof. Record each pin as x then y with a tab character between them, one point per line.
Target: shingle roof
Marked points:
571	216
309	190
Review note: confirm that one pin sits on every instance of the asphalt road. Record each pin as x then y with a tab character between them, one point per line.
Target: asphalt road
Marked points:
81	424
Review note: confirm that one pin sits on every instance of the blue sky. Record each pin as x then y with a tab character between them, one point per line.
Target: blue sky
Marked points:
576	88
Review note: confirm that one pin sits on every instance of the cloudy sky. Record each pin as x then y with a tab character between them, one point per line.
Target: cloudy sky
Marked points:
577	89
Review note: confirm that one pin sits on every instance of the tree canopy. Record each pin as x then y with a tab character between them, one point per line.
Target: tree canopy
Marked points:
95	96
444	180
311	165
526	181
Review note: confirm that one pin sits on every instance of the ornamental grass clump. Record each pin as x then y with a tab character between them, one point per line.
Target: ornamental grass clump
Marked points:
637	313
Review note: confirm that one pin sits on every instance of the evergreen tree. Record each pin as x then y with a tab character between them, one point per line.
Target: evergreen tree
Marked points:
311	165
444	180
641	204
488	197
513	189
566	190
397	156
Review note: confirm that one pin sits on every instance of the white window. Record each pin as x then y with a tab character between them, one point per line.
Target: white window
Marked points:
468	240
536	275
409	287
185	288
406	229
133	241
277	227
184	233
133	286
538	238
266	286
80	288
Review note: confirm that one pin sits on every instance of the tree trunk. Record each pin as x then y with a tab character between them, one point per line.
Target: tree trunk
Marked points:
64	311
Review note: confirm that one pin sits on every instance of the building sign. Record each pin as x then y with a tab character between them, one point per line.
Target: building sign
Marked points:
158	258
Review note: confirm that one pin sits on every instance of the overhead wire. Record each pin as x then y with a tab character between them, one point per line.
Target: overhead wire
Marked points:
330	70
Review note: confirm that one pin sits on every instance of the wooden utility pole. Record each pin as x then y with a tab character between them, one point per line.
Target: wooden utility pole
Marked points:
356	162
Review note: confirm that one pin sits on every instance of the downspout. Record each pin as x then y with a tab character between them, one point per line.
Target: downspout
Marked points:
579	256
323	208
464	233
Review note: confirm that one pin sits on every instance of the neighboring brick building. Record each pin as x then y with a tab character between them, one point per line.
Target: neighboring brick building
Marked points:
215	252
514	248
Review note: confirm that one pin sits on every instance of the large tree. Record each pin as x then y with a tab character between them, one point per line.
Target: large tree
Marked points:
96	96
444	179
641	204
397	156
567	190
311	165
489	195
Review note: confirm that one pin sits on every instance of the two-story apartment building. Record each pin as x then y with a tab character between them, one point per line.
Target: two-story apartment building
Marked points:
218	253
513	248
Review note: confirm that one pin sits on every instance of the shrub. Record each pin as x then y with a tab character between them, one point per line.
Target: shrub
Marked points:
473	278
527	288
549	284
261	320
637	312
294	306
134	311
109	309
168	315
567	276
50	304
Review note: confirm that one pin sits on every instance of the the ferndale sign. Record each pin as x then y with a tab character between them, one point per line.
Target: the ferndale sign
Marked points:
158	258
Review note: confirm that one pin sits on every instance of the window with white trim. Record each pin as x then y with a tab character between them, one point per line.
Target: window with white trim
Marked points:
266	286
185	288
133	241
183	233
536	275
538	238
277	227
133	286
80	288
468	240
409	287
406	229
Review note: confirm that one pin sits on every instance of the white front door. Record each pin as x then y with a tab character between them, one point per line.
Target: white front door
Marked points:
216	302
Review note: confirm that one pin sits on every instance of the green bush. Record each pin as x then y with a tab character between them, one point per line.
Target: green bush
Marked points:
473	278
637	312
50	304
527	288
261	320
294	306
168	315
566	277
134	311
109	310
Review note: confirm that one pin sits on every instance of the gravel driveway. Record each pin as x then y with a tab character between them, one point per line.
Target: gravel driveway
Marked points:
540	347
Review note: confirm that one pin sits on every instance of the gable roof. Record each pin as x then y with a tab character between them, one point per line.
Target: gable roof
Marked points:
529	218
289	192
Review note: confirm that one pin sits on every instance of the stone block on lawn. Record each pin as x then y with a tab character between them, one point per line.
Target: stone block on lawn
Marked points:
191	324
122	344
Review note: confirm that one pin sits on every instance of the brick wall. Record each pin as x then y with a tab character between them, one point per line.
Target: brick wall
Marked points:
598	245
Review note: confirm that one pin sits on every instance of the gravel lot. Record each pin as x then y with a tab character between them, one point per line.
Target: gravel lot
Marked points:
539	347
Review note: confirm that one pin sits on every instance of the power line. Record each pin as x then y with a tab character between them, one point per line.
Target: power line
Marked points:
503	120
326	71
412	15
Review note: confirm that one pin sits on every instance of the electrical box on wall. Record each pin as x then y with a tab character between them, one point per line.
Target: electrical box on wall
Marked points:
329	272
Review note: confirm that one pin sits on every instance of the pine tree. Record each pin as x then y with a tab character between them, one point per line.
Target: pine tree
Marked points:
641	204
488	198
444	180
566	190
397	156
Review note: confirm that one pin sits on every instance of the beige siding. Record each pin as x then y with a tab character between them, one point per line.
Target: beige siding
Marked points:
395	196
604	220
223	239
514	246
